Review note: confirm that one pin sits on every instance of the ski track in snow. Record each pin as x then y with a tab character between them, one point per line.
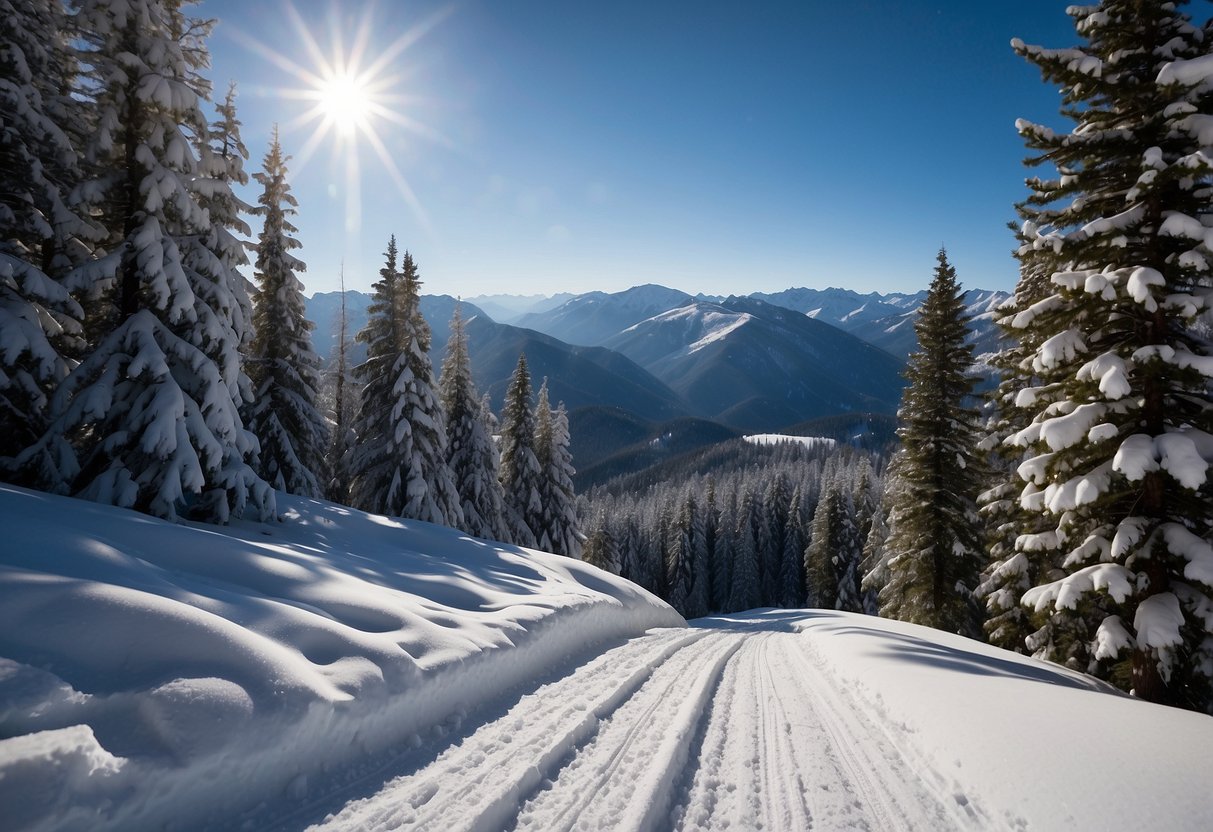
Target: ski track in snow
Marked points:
743	725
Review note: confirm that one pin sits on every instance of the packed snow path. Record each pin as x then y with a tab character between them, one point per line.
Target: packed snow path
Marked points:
731	725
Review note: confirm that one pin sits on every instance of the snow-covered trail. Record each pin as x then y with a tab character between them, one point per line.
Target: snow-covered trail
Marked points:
729	725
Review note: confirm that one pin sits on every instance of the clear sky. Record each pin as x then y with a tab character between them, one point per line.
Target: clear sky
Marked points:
723	147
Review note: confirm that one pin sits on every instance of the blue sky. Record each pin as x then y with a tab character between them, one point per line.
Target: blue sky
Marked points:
724	147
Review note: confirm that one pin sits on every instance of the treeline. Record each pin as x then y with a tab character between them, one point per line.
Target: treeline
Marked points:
139	367
780	526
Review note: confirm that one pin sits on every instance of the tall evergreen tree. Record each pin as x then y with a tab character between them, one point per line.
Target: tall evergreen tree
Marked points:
521	476
723	557
471	454
745	591
1119	442
147	419
773	538
831	553
42	230
374	460
791	563
342	396
601	549
1012	571
934	542
558	530
224	328
400	464
283	367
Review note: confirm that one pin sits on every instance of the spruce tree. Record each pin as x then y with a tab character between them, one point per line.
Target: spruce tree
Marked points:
934	546
224	308
521	476
723	557
831	551
471	454
283	367
43	232
1119	438
342	397
400	464
745	591
147	419
1011	571
373	460
601	549
558	530
773	540
791	563
699	599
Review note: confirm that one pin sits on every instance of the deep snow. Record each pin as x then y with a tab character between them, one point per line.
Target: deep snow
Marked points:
152	672
357	673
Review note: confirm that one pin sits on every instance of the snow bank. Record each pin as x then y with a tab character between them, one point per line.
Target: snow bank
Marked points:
153	674
1019	743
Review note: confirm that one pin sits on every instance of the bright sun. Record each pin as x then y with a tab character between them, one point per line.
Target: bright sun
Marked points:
345	103
353	94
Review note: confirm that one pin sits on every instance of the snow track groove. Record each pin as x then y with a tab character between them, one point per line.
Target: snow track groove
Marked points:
478	784
624	779
734	728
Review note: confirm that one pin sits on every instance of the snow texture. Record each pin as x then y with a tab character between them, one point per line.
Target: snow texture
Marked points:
357	673
152	672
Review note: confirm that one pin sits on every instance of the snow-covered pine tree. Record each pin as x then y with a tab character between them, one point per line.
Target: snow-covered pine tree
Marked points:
1119	440
601	550
471	454
374	463
429	489
341	394
745	591
873	565
224	330
147	420
559	533
400	464
679	558
876	556
821	554
772	540
40	139
521	477
42	231
1010	571
283	367
934	546
699	599
723	557
791	564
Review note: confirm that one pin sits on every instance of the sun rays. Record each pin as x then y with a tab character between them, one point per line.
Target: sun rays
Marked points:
354	97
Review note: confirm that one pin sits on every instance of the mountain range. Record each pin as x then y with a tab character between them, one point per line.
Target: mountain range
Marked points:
651	371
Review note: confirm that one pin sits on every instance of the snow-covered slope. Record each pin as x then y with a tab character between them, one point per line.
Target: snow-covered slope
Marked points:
152	673
887	321
353	672
788	720
590	319
759	367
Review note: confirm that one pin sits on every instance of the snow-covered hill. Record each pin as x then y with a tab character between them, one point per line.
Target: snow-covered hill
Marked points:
357	673
152	673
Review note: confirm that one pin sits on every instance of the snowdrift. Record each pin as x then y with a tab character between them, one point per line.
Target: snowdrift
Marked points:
1017	743
156	674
